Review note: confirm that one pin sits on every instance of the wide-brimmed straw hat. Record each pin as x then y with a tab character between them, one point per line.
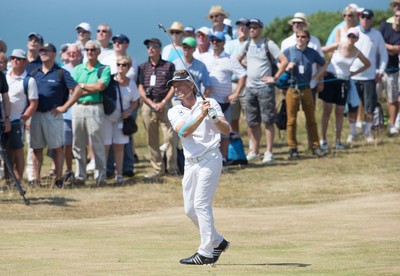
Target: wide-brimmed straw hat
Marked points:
299	17
217	10
176	26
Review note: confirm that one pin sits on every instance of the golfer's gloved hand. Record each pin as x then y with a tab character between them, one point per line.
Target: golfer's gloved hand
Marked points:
213	115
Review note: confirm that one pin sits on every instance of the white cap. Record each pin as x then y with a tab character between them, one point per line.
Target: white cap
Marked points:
204	30
227	22
85	26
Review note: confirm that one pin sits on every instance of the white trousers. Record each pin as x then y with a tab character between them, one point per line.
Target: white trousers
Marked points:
199	185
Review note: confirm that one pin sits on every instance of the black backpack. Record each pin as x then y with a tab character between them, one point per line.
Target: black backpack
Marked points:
281	116
109	94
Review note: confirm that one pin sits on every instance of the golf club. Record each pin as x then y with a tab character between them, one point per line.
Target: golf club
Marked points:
211	111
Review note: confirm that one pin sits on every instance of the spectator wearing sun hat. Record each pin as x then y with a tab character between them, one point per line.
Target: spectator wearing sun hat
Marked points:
395	5
197	68
168	52
217	15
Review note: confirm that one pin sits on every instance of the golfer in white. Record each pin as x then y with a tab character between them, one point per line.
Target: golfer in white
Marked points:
199	124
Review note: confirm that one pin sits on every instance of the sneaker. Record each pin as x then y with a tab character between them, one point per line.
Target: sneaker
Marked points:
152	176
324	145
293	154
268	157
68	175
119	179
91	166
222	247
59	183
340	146
319	152
369	138
393	130
351	138
252	156
197	259
163	147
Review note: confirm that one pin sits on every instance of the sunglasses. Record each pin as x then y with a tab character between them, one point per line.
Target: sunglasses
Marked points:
216	40
102	31
347	15
301	36
82	31
364	16
91	49
119	41
396	5
214	16
176	32
351	36
16	58
201	35
152	46
122	64
254	27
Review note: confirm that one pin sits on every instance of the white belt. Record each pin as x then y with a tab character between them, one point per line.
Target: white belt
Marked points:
201	157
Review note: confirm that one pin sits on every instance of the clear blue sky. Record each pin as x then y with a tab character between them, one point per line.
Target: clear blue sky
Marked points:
56	20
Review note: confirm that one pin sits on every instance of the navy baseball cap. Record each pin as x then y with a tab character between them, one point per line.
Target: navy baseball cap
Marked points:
153	40
255	21
243	21
120	37
38	37
367	12
217	35
180	75
49	47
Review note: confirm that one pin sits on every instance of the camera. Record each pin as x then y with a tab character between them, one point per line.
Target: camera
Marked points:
149	91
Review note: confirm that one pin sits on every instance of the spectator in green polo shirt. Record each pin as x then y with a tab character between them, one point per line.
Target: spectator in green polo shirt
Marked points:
88	113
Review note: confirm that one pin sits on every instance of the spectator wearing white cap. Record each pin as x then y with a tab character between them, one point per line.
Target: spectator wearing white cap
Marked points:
338	84
168	52
203	42
22	105
84	32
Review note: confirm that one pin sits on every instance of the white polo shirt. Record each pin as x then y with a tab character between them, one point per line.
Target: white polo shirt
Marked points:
17	95
206	137
221	69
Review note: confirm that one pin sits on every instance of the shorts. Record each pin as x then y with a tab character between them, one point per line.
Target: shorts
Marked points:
391	84
238	106
260	105
14	138
367	92
46	130
67	133
334	92
112	132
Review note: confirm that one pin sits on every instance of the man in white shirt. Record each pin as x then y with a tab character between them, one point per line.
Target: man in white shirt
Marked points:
222	67
23	96
372	45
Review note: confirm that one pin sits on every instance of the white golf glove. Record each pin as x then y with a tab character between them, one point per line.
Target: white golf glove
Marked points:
213	115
